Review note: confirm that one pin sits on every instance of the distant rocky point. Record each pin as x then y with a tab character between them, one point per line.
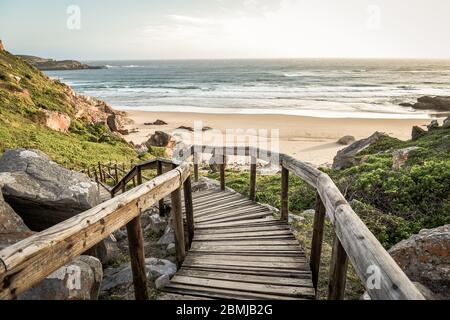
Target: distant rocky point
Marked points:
52	65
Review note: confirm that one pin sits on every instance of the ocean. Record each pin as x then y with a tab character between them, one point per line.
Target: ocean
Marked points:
309	87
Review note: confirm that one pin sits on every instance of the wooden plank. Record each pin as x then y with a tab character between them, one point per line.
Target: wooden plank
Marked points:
243	229
246	242
236	257
201	246
226	210
192	261
267	221
247	234
34	258
241	213
253	271
239	218
295	282
221	293
298	292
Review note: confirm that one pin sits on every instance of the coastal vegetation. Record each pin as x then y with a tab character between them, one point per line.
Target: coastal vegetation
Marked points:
394	202
26	93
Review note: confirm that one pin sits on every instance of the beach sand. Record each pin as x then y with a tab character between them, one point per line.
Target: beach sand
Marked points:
309	139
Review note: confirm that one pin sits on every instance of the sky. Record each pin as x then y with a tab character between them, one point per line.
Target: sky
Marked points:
224	29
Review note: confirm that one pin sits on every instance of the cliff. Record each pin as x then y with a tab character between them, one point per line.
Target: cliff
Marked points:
50	64
45	114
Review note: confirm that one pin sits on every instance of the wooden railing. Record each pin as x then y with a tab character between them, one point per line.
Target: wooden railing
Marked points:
28	262
353	241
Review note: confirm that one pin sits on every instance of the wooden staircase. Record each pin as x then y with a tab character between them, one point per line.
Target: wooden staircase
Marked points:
240	251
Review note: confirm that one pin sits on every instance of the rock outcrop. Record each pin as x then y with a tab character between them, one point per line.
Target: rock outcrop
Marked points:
57	121
161	139
2	47
425	258
346	157
50	64
433	103
79	280
156	123
42	192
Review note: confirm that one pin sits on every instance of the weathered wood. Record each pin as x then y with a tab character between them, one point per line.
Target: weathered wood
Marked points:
245	286
116	173
338	271
159	171
284	194
139	175
196	159
189	209
317	239
222	172
137	258
34	258
178	226
253	179
100	172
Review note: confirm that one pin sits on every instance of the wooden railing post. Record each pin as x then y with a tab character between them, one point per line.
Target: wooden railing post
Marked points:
100	172
189	208
253	179
137	258
137	255
177	214
338	271
159	169
222	172
116	173
284	194
139	175
317	238
95	175
196	166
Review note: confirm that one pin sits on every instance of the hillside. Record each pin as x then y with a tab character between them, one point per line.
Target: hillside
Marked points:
50	64
38	112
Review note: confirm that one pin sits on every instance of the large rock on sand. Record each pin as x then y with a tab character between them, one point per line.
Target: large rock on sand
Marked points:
425	258
346	157
433	103
161	139
42	192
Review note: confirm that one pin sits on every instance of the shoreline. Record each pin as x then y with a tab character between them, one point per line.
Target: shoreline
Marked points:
310	139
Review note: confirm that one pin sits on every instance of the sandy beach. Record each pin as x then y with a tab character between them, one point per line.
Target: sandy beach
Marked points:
307	138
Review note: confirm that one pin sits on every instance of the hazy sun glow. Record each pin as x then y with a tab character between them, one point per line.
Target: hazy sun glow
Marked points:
141	29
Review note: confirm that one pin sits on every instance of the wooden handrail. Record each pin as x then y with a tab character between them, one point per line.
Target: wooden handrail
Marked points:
352	237
29	261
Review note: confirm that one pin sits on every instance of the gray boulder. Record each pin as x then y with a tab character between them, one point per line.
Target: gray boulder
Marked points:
123	276
153	222
425	258
42	192
162	282
12	227
346	157
168	237
79	280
